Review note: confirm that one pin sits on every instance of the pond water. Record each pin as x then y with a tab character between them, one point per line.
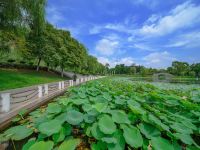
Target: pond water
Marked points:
173	80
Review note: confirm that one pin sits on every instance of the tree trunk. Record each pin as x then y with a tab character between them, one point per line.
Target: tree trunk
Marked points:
62	72
48	68
38	65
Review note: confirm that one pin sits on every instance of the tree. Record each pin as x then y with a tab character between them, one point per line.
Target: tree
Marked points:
36	39
196	69
180	68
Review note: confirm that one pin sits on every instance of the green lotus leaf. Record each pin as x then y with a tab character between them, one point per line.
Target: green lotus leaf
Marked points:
74	117
18	132
82	95
61	118
132	136
181	128
172	102
69	144
64	101
67	129
28	144
49	128
106	124
58	137
119	101
100	107
95	131
148	130
79	101
54	108
107	96
137	109
89	118
159	143
133	103
189	124
42	145
109	140
120	116
93	112
87	107
185	138
99	146
100	99
145	144
41	137
176	145
120	144
158	122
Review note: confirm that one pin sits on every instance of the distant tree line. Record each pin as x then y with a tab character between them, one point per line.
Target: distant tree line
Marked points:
24	30
177	68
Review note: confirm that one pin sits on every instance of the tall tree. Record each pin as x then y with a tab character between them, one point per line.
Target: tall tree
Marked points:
180	68
196	69
36	40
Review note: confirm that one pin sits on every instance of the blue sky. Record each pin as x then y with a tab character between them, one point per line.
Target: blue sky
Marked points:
152	33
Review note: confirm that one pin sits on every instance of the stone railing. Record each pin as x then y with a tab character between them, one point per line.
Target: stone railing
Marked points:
11	99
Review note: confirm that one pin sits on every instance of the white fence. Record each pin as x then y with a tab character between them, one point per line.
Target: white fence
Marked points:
12	98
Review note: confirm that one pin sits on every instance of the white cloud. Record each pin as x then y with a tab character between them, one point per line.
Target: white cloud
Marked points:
187	40
183	16
112	36
148	3
153	18
154	60
143	47
113	62
126	26
107	47
119	27
95	29
53	15
158	59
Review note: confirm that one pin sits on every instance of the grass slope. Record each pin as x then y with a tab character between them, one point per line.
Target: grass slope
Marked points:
13	78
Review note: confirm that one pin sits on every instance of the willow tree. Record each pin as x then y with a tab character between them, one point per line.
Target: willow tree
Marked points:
36	21
10	14
10	21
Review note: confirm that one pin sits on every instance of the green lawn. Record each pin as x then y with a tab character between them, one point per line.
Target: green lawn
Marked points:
13	78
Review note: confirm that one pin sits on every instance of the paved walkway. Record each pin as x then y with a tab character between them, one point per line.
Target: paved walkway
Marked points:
30	98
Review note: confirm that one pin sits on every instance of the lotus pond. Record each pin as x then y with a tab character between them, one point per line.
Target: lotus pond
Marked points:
112	114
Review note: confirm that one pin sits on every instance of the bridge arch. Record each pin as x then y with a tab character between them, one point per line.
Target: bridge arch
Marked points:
162	77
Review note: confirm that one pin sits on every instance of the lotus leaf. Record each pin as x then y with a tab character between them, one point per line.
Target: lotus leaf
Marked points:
74	117
106	124
159	143
18	132
120	116
69	144
132	136
148	130
49	128
42	145
53	108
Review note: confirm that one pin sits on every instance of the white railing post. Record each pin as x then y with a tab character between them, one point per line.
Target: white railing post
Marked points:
59	86
77	81
5	101
46	90
72	82
39	91
63	84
